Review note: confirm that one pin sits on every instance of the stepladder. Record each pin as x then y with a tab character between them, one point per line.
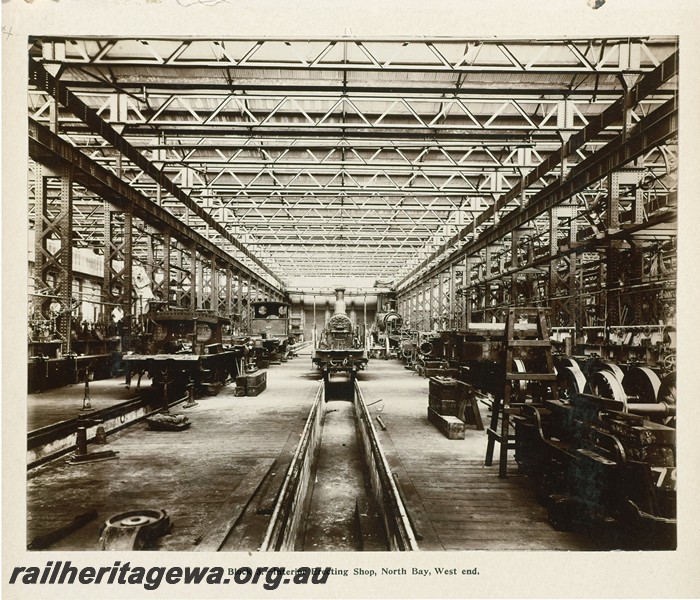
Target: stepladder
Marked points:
528	376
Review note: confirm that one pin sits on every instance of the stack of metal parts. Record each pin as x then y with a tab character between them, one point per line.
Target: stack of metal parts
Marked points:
601	468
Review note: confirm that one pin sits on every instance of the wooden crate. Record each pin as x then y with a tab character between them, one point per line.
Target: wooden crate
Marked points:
256	390
443	406
450	426
443	388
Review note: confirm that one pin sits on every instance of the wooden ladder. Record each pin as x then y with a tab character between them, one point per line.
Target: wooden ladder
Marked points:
502	406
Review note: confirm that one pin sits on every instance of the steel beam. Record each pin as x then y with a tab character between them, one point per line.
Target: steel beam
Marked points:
46	147
663	73
344	54
40	77
653	130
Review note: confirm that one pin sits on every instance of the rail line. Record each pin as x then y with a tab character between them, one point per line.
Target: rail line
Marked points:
381	518
331	487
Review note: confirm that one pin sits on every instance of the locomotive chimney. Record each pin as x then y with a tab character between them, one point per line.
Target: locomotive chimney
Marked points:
340	301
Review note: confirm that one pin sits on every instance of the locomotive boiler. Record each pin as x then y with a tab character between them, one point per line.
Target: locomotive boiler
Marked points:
387	333
389	322
340	351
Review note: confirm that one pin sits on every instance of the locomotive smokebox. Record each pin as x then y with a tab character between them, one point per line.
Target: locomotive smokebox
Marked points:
339	301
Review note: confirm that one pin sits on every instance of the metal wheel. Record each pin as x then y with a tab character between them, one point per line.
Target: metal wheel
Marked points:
571	381
134	529
643	384
605	385
669	362
520	388
426	348
610	367
667	389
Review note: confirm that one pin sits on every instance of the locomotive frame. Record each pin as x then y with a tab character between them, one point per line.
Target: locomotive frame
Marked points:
184	354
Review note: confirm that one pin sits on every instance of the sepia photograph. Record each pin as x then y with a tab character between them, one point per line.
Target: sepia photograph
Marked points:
297	292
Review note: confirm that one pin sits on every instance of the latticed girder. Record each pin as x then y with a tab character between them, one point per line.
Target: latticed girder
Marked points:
564	55
53	252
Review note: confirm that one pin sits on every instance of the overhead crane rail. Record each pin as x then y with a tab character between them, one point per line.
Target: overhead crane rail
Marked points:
44	80
47	147
650	131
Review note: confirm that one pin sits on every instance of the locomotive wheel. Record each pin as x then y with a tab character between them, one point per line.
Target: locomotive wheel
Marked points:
571	382
667	389
605	385
519	387
642	383
561	362
610	367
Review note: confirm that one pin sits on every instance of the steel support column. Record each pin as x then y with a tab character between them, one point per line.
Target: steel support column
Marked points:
53	256
118	286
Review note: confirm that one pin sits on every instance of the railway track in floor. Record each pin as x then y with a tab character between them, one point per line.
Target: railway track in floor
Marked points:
333	491
330	488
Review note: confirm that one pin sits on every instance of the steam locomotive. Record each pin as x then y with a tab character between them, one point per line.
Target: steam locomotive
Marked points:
271	337
340	350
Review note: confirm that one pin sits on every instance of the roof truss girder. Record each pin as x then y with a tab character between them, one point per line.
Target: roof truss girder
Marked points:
604	55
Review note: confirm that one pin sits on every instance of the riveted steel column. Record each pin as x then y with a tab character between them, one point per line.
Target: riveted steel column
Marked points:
553	249
228	298
193	278
239	300
53	266
216	303
425	313
432	316
118	255
165	284
248	308
465	316
488	304
453	285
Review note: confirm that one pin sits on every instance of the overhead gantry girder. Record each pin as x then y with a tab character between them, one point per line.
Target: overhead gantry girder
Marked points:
452	55
308	116
665	115
46	147
654	130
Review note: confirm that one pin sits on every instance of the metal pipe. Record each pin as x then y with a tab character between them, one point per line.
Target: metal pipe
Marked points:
659	408
339	301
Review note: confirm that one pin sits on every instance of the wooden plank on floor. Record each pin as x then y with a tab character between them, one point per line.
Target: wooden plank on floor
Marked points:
229	513
267	501
429	538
